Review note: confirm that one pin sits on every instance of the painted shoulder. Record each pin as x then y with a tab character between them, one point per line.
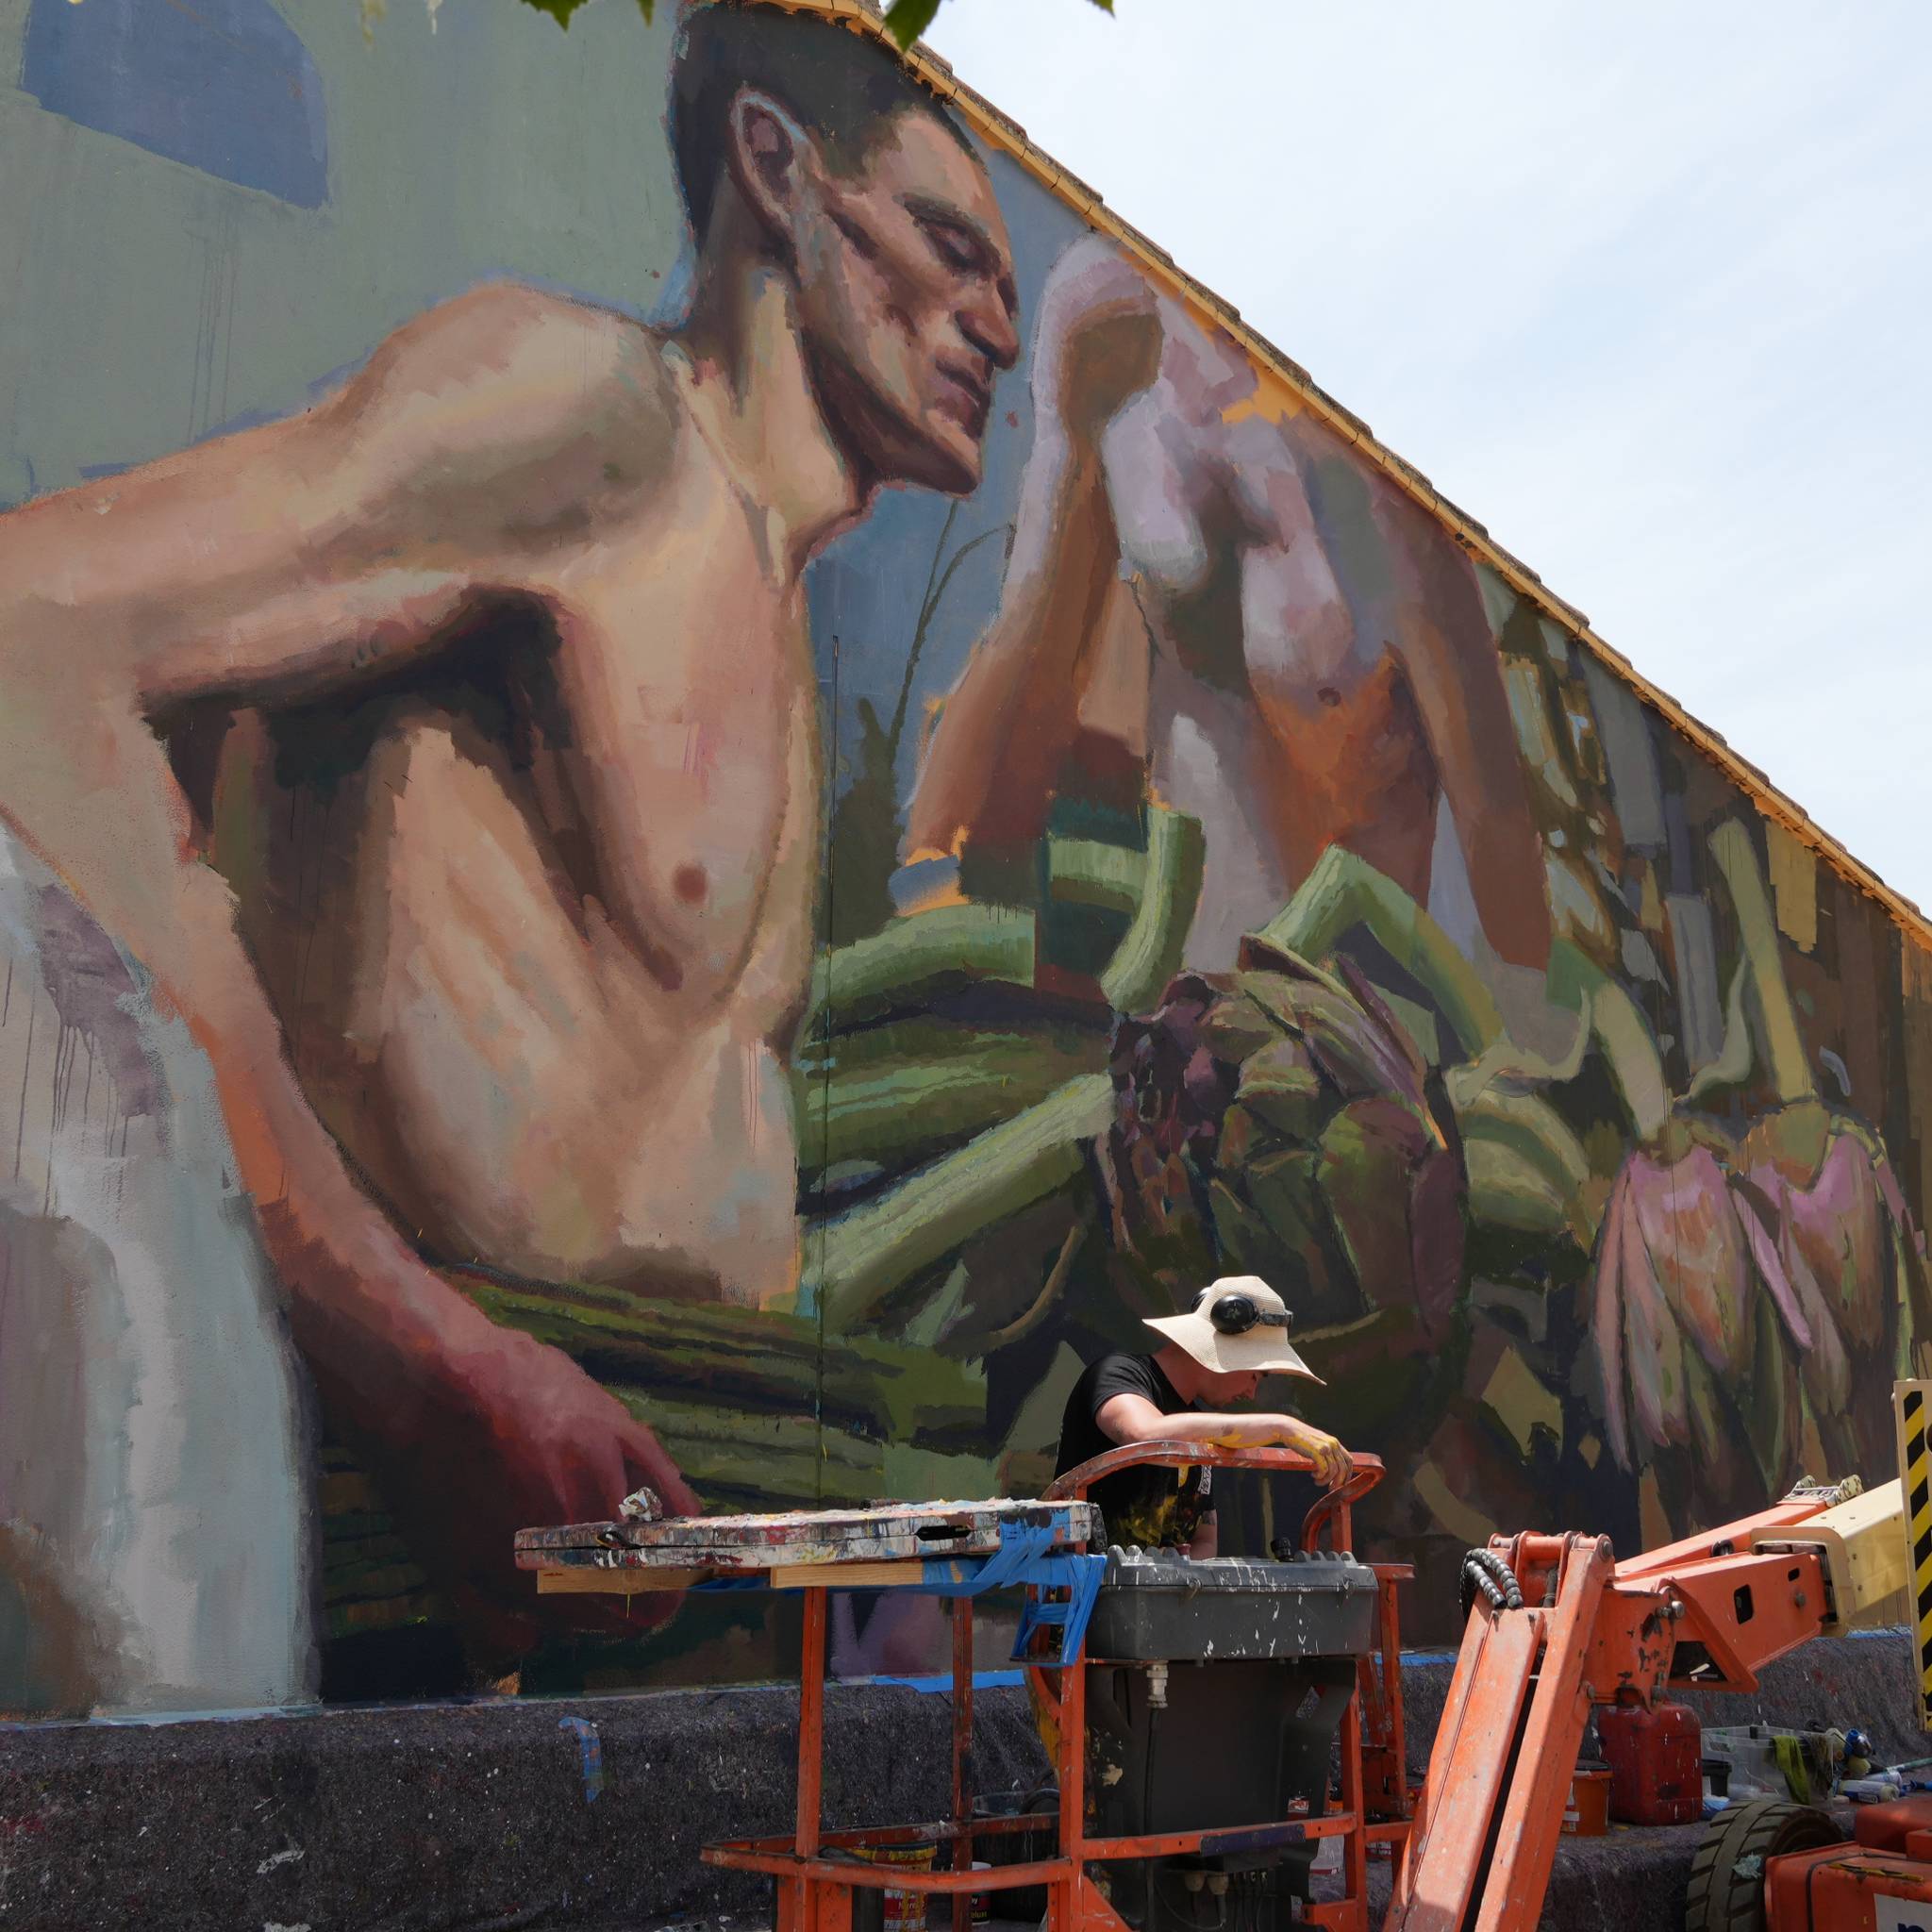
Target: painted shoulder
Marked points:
510	371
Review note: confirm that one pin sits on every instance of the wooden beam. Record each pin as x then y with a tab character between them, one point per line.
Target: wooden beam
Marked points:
584	1579
633	1579
846	1576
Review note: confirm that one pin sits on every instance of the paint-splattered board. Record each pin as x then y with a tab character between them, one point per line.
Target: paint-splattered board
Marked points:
696	1547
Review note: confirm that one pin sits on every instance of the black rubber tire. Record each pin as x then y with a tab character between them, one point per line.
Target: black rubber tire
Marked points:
1725	1898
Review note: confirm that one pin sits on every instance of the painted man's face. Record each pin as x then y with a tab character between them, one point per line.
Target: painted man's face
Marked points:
907	302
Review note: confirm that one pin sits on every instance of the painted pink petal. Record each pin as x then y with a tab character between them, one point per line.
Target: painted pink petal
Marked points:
1606	1316
1836	1224
1765	1252
1894	1199
1691	1236
1825	1368
1653	1338
1652	1347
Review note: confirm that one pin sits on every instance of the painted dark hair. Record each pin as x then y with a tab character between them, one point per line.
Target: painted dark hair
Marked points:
842	87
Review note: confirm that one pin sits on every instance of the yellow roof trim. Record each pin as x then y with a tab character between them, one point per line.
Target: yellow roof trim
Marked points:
1009	135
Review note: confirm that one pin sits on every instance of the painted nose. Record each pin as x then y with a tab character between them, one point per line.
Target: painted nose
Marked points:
991	330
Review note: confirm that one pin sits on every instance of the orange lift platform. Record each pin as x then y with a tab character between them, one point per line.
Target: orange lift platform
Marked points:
961	1550
1558	1627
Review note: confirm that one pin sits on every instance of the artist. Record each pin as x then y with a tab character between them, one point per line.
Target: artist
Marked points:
1235	1333
1217	1354
534	579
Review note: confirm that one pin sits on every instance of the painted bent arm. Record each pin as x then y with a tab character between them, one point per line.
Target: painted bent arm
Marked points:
1009	722
1446	648
295	556
1012	717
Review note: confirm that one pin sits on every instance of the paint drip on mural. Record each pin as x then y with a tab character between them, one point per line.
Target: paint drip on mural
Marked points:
716	891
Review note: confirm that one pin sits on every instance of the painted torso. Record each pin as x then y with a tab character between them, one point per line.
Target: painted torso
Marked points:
554	1045
1279	713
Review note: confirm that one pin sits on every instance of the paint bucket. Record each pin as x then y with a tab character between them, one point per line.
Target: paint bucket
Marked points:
898	1911
982	1901
1026	1903
1588	1813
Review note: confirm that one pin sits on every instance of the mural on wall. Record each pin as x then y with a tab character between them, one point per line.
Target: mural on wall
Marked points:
720	895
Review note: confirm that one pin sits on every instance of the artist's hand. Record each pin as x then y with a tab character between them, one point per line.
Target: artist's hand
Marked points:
1333	1464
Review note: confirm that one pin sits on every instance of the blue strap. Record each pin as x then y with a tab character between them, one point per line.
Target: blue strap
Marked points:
1069	1617
1033	1556
1022	1546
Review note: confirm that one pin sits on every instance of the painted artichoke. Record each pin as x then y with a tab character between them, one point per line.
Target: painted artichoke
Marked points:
1672	1304
1830	1232
1780	1271
1275	1121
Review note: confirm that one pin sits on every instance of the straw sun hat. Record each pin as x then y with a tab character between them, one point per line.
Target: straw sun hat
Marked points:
1239	1325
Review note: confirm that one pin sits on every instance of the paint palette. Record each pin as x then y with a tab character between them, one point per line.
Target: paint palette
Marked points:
884	1533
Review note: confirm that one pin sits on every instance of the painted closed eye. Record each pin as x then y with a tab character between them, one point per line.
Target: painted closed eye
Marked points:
953	247
860	238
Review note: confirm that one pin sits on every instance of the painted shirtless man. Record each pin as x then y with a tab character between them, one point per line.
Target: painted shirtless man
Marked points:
520	610
1300	653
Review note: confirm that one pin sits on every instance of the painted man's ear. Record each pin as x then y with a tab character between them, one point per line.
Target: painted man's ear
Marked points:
768	154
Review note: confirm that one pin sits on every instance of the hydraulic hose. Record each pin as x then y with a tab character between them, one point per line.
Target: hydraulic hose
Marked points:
1484	1571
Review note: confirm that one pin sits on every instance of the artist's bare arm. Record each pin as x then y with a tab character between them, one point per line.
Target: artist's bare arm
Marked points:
1009	723
1134	1418
1449	656
299	557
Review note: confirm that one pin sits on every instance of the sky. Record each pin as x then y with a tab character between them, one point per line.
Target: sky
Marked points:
1644	289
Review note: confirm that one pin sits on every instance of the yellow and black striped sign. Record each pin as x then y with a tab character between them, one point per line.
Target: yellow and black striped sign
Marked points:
1911	1405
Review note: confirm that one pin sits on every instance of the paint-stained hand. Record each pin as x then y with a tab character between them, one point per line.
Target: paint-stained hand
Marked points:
1333	1463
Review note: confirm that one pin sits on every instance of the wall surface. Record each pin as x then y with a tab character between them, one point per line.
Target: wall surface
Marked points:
700	811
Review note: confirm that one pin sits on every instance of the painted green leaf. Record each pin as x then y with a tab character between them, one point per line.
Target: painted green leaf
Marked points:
886	1114
1284	1190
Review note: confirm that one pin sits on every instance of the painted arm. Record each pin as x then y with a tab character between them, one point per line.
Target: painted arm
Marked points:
1007	726
1449	655
1134	1418
302	556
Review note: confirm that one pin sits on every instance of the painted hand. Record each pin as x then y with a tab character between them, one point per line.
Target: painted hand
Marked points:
515	1435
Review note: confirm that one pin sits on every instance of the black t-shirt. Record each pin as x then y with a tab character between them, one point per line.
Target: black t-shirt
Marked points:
1158	1509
